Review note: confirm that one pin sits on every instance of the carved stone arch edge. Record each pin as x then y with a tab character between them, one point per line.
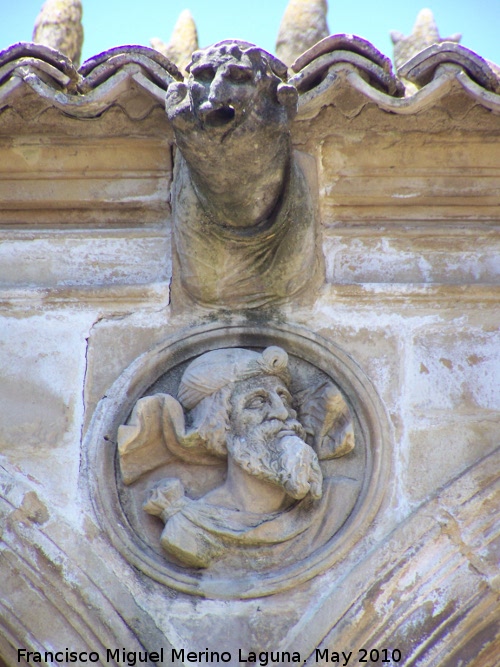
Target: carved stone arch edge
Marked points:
48	566
460	625
99	450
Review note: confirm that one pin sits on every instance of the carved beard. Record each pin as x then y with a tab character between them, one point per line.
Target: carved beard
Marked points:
276	452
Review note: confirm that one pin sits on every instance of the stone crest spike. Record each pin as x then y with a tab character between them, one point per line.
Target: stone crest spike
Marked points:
303	24
425	33
183	41
59	25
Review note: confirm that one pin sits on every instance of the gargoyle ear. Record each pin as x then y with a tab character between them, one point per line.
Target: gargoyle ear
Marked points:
259	56
177	104
288	97
194	58
176	92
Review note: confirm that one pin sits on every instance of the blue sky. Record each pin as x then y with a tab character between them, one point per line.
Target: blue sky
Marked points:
110	23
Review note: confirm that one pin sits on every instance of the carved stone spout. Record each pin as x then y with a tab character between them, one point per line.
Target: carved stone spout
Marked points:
243	202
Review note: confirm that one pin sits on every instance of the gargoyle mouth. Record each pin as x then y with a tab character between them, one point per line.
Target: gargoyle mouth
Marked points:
220	117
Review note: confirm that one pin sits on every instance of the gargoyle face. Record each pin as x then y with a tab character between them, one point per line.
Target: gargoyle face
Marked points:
233	88
223	88
230	85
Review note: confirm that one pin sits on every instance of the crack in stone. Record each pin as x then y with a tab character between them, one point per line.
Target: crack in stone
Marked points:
84	383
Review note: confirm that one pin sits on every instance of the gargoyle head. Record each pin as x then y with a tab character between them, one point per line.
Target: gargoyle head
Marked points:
231	84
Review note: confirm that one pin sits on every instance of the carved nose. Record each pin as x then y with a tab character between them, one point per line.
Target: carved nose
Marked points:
277	409
219	91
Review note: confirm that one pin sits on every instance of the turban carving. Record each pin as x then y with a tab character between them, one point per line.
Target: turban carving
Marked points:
214	370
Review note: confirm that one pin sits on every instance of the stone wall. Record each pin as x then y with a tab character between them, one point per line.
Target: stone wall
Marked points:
408	197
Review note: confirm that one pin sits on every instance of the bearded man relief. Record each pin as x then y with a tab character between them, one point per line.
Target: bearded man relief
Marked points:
243	201
274	499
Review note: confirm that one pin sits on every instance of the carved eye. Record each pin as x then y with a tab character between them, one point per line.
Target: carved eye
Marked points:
256	402
240	74
204	74
284	396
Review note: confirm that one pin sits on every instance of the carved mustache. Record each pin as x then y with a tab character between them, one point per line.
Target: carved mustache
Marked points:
274	427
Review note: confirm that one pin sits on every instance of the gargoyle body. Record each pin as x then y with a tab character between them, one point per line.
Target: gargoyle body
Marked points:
243	209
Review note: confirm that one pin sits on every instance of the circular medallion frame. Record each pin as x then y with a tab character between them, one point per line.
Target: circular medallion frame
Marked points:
371	429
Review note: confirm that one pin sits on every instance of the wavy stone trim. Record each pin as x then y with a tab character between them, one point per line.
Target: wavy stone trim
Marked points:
421	69
314	64
92	89
336	60
342	75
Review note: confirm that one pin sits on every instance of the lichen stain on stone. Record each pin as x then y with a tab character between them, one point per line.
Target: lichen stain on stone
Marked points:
28	154
474	359
373	600
429	627
31	510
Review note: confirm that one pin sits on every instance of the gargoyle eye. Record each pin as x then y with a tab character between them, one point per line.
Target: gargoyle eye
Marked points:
204	74
240	74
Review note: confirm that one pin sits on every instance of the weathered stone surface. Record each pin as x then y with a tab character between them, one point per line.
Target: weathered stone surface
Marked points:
304	23
183	41
59	25
462	186
112	346
41	360
102	181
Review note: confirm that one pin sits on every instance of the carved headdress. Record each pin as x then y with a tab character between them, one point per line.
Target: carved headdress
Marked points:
214	370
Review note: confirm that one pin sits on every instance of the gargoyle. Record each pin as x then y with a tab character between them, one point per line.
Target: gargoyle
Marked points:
242	199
